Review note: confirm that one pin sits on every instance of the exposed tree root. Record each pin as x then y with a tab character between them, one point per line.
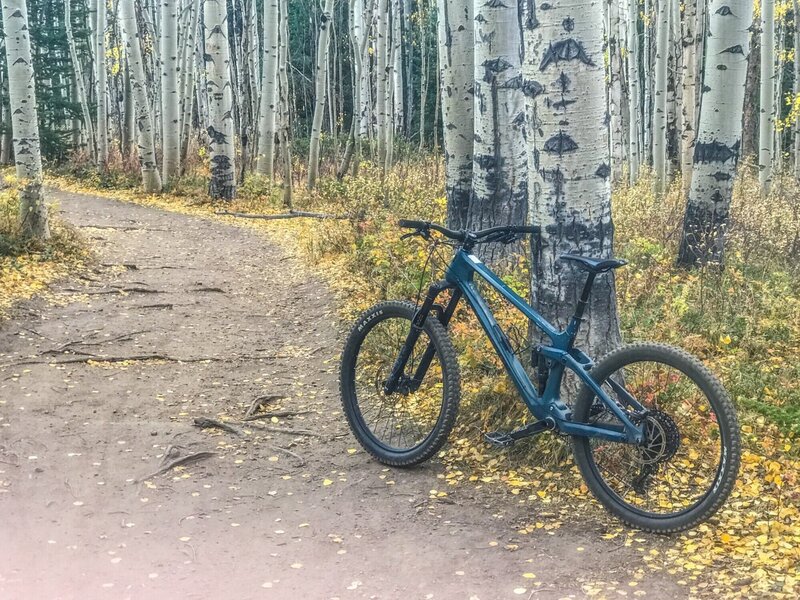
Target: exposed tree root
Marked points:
292	214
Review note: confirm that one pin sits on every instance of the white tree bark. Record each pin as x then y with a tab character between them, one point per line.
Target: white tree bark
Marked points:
766	124
101	94
719	133
188	77
88	126
24	120
615	87
634	102
569	166
499	170
269	91
457	41
382	85
170	96
398	94
220	100
691	41
660	97
151	179
320	84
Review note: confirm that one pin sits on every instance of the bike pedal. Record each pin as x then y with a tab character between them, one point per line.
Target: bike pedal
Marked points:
500	439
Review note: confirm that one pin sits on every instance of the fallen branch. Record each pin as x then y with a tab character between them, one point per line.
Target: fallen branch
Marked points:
98	343
259	402
180	462
304	432
130	290
292	214
290	453
279	413
204	423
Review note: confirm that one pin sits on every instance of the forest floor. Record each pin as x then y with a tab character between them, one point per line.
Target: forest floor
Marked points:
182	318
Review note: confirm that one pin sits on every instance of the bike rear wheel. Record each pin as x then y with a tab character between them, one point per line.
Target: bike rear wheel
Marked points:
410	425
688	463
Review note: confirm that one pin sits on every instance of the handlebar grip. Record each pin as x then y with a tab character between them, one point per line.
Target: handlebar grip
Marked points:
410	224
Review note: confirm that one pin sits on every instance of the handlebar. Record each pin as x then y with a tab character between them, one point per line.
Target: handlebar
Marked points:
464	236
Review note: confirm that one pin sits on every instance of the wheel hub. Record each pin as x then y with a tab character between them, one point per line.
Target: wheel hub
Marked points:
661	438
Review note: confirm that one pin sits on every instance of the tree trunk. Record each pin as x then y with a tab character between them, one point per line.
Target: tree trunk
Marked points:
456	39
766	123
796	88
660	98
615	88
220	99
423	72
320	76
188	79
76	67
690	41
24	120
170	97
382	78
269	91
569	169
750	115
634	99
719	133
151	179
499	172
283	92
398	95
100	79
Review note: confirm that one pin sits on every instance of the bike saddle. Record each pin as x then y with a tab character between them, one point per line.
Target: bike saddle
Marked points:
594	265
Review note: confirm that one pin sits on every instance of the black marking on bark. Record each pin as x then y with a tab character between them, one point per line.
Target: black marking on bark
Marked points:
563	103
519	120
488	38
722	68
563	123
217	137
565	50
607	119
737	49
545	6
529	87
706	89
486	161
207	57
721	176
450	127
217	29
564	82
493	67
568	24
16	13
560	144
480	18
716	197
531	22
725	11
536	158
20	60
715	151
496	4
603	171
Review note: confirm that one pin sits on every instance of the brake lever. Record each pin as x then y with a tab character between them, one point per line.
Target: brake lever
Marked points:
423	233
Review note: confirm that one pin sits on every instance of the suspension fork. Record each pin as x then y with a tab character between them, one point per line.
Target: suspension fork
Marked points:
417	325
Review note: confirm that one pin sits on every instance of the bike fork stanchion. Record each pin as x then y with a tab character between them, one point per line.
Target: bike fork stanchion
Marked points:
417	324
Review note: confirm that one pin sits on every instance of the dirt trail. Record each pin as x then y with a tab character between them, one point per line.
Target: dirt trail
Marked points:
218	316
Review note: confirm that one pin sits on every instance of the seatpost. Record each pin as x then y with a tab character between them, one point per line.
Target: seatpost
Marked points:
584	300
580	307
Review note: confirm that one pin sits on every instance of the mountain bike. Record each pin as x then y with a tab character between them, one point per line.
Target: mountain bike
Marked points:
654	434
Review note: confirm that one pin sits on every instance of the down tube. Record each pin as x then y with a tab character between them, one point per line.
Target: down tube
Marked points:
504	350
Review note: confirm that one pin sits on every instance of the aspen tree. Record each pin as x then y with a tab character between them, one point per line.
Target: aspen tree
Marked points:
24	120
569	167
719	133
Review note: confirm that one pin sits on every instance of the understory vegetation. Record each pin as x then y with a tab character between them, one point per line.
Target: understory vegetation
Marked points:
744	322
28	266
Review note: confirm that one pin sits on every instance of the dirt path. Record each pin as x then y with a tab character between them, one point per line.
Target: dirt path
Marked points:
211	317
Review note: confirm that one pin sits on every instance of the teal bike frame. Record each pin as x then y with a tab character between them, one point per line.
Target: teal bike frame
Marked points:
560	353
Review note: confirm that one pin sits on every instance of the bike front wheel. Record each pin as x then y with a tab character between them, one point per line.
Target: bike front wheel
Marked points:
411	424
687	465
